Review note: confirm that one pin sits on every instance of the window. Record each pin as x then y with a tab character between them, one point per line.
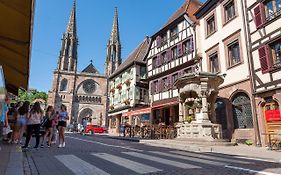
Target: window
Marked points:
233	51
156	87
63	86
272	9
174	53
165	83
143	72
211	25
164	56
174	33
187	46
276	54
164	39
214	63
229	11
174	78
154	62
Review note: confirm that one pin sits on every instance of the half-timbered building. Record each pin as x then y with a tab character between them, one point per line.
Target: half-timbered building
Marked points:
263	22
172	54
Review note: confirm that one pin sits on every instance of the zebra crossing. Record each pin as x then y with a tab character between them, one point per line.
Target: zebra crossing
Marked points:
131	161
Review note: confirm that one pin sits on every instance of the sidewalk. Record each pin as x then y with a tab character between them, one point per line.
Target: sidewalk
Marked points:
249	152
11	159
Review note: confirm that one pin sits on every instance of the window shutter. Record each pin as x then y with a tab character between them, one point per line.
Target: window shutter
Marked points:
179	47
169	55
264	59
158	41
191	45
151	88
159	60
259	15
170	84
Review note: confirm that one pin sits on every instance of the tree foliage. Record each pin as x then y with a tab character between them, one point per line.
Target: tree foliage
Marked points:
31	95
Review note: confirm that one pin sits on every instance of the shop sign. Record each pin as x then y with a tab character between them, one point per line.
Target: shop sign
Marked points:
273	115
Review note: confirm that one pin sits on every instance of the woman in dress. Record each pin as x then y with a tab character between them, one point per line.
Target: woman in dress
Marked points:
63	117
33	124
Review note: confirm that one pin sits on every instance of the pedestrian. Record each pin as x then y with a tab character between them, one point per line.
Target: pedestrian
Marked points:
55	126
22	114
33	124
4	119
48	122
63	117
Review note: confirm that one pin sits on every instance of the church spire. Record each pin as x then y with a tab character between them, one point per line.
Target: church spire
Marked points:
68	53
114	36
71	27
113	56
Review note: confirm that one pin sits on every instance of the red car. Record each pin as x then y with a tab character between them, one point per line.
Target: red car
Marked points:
91	129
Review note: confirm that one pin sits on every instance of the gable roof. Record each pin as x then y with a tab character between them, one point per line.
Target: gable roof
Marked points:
137	56
189	7
91	69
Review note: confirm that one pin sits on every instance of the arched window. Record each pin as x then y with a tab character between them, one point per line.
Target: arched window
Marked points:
63	85
242	111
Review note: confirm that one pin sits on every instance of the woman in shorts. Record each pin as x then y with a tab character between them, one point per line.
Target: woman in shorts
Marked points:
48	126
63	117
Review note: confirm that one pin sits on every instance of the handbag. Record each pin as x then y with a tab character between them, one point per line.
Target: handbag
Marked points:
7	130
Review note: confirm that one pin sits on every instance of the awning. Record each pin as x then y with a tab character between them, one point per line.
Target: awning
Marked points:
165	105
16	18
137	112
118	112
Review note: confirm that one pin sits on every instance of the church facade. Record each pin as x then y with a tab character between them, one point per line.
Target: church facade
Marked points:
83	92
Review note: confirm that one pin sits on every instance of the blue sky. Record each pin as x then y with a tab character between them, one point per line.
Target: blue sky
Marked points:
137	18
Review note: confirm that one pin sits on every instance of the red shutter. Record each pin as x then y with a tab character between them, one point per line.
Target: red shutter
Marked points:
264	58
159	60
152	88
191	45
158	41
170	82
169	55
259	15
179	47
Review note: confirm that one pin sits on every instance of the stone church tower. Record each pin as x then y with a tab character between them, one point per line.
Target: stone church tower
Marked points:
113	52
84	93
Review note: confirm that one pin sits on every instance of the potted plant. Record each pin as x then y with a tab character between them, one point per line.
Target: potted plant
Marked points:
189	118
126	102
128	82
249	142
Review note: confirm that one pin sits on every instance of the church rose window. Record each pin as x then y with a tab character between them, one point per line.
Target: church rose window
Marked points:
89	86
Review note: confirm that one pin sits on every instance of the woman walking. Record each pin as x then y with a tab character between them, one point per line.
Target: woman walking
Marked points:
63	117
33	124
23	112
48	126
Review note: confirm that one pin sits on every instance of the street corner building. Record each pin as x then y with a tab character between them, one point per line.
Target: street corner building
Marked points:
83	93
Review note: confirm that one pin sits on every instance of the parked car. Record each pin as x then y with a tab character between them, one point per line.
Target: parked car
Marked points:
91	129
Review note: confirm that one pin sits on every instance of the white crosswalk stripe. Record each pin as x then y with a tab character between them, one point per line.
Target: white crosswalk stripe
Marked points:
209	162
215	158
79	166
132	165
162	160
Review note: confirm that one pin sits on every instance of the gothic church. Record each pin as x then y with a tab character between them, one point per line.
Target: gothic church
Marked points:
84	93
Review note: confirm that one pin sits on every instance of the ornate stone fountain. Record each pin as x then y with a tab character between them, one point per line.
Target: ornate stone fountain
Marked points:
197	95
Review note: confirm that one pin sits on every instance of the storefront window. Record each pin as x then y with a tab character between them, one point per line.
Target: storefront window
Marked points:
2	90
